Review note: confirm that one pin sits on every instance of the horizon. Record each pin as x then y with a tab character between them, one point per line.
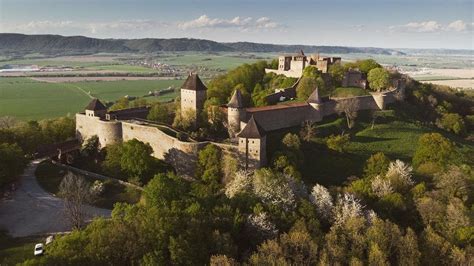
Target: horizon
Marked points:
426	24
243	41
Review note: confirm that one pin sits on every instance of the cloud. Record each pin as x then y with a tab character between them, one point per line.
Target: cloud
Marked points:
237	22
459	25
433	26
92	28
423	26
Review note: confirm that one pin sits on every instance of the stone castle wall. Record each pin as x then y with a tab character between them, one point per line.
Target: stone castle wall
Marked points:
284	116
108	131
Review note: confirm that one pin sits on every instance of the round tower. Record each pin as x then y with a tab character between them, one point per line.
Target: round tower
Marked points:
235	112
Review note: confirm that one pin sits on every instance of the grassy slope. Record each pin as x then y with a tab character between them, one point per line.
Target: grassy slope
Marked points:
29	99
397	139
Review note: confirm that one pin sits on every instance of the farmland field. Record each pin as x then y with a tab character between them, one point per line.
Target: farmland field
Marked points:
27	99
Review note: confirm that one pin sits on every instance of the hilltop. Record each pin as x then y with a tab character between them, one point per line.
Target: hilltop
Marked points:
18	44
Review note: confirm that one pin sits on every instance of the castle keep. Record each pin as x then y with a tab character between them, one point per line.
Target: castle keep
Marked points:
292	65
248	126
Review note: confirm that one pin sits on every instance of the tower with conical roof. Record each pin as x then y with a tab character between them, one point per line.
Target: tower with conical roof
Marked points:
193	95
314	101
95	109
235	113
252	144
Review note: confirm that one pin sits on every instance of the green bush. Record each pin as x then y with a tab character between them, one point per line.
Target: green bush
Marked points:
337	142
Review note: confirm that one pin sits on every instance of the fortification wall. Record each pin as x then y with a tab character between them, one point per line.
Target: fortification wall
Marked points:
181	155
273	119
288	73
108	131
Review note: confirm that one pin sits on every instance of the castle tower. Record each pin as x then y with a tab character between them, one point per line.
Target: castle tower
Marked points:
95	109
235	112
193	94
252	144
314	101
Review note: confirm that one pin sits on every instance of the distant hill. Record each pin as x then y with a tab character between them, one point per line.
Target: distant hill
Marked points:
18	44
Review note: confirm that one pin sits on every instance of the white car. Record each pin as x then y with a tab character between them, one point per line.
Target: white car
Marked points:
39	249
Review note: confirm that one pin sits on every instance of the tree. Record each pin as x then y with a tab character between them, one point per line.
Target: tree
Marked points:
322	199
453	122
378	78
75	192
293	248
367	65
337	73
305	87
433	148
7	122
90	147
400	175
241	183
337	142
137	159
122	103
209	164
12	162
186	121
274	188
408	252
160	112
291	141
377	164
349	107
308	131
376	256
111	164
163	189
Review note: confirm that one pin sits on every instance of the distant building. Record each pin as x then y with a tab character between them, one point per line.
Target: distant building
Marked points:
292	65
354	78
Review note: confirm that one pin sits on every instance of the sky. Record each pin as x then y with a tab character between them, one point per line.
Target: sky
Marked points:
361	23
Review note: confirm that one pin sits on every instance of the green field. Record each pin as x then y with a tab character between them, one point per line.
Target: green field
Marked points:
27	99
221	61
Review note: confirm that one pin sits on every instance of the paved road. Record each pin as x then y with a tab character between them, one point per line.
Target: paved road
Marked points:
31	210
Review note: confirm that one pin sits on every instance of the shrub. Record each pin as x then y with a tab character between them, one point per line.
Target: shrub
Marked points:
337	142
377	164
452	122
434	148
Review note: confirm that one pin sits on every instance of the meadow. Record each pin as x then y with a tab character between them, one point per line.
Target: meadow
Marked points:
28	99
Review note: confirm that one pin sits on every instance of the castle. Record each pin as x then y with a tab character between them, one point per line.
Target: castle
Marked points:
292	65
248	126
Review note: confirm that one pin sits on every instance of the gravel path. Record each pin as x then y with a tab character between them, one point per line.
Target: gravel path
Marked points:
32	211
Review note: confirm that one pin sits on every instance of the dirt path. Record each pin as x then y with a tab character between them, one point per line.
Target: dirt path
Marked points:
32	211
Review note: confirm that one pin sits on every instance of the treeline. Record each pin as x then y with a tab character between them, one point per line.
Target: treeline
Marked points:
19	140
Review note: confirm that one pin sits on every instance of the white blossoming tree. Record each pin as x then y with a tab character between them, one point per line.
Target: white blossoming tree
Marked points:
273	188
322	199
400	175
347	207
381	186
262	224
241	183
